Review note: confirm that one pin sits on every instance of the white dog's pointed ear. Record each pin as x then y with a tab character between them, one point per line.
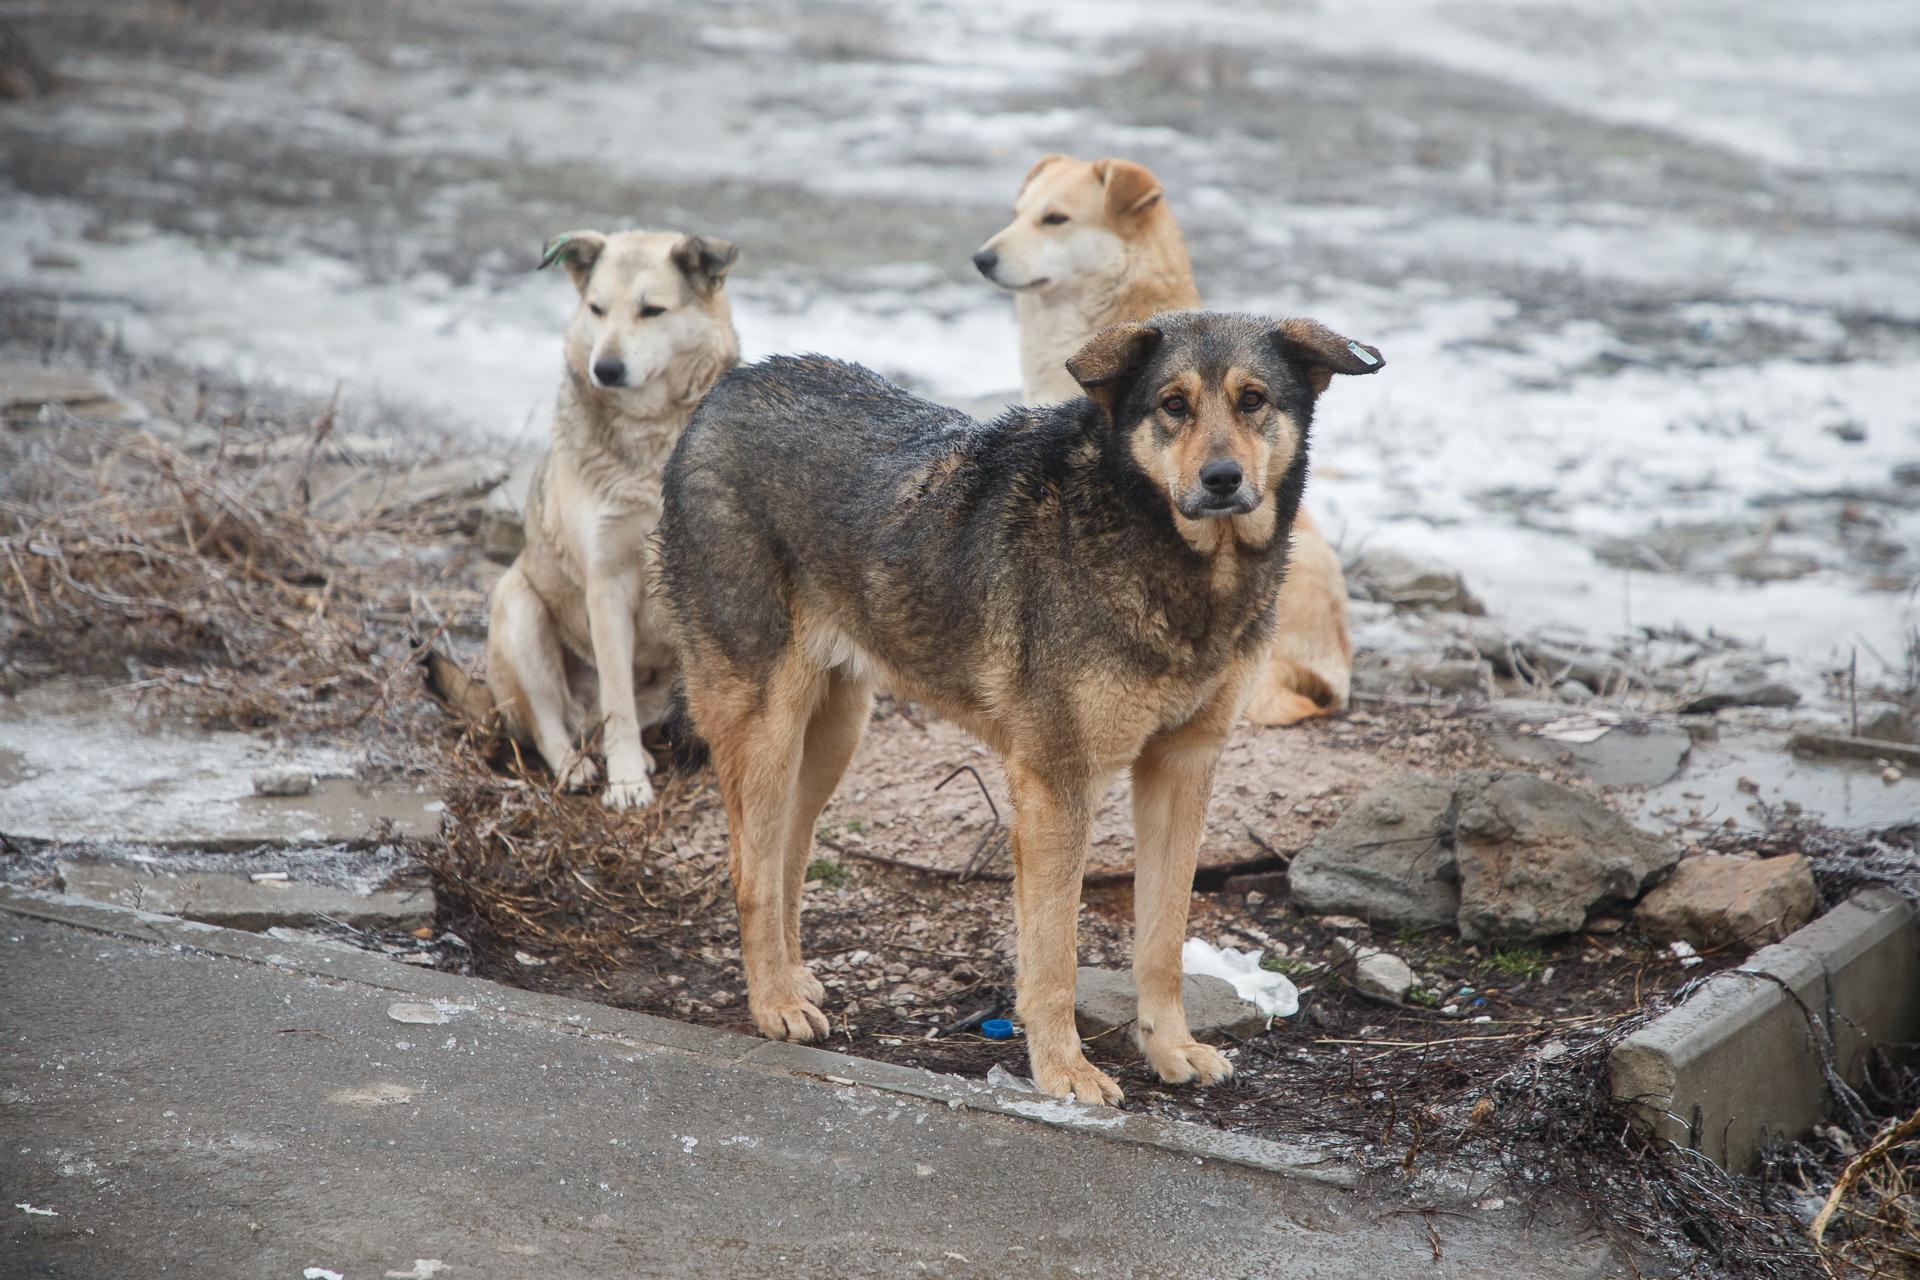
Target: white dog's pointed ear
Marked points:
575	250
1107	365
1039	166
705	261
1325	352
1131	188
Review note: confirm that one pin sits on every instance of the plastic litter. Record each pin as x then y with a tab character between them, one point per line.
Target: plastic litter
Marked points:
1273	994
1001	1078
997	1029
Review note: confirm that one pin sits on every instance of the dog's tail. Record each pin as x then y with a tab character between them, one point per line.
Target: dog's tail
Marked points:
686	749
458	692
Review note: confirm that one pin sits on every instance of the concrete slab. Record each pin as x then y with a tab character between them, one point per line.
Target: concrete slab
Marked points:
182	1109
237	901
1625	755
1740	1062
77	765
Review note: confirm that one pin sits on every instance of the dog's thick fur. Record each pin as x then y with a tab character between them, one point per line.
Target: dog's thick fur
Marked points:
1093	244
1087	587
572	622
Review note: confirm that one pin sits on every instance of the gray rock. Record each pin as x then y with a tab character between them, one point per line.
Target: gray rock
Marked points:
1455	675
1536	858
1387	859
1106	1003
1393	577
1752	691
503	531
237	902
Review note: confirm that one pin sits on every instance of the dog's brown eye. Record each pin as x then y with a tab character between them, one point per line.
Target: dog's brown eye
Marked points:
596	308
648	313
1053	219
1174	406
1251	400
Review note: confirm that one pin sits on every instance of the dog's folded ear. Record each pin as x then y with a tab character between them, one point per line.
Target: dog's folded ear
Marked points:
1131	188
1324	352
705	261
577	251
1107	365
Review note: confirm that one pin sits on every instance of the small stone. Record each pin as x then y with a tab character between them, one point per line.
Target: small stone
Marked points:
1891	774
1383	974
1343	923
282	782
1754	691
1748	785
1887	725
1392	577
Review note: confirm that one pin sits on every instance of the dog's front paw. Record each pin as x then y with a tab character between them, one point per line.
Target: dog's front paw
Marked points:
636	794
808	987
1077	1079
1189	1062
792	1019
579	773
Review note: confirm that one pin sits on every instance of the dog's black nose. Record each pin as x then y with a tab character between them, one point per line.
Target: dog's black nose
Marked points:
1221	478
610	373
986	260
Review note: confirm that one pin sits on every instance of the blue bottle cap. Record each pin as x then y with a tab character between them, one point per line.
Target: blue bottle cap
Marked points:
997	1029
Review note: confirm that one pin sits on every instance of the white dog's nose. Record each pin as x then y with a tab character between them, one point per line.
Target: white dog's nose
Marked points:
609	372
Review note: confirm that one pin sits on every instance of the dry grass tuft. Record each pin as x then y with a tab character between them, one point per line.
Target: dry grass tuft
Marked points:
521	865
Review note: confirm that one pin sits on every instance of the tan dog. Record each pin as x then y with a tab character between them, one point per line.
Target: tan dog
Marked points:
1093	244
652	333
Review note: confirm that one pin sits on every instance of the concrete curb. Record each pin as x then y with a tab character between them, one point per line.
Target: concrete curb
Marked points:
1742	1062
644	1031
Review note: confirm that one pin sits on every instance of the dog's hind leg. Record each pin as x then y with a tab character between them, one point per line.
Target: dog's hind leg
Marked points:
527	672
1052	817
755	733
1172	782
1310	668
833	734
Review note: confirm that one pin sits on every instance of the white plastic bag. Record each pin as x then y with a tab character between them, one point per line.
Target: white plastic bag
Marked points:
1271	993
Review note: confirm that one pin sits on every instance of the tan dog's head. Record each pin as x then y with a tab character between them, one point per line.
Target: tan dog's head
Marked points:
1215	408
647	299
1072	220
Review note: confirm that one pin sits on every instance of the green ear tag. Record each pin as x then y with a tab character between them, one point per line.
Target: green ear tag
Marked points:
554	248
1366	357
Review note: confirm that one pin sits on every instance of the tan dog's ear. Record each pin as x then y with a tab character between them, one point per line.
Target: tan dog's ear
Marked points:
577	251
1325	352
1106	366
705	261
1051	158
1131	188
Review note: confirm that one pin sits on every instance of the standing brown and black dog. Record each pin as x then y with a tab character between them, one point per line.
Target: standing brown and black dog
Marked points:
1088	587
1092	244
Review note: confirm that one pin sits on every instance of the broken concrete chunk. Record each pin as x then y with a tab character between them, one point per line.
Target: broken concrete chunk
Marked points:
1536	858
1622	755
1106	1003
1455	675
1754	691
1388	859
238	902
1393	577
29	391
1716	900
282	780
